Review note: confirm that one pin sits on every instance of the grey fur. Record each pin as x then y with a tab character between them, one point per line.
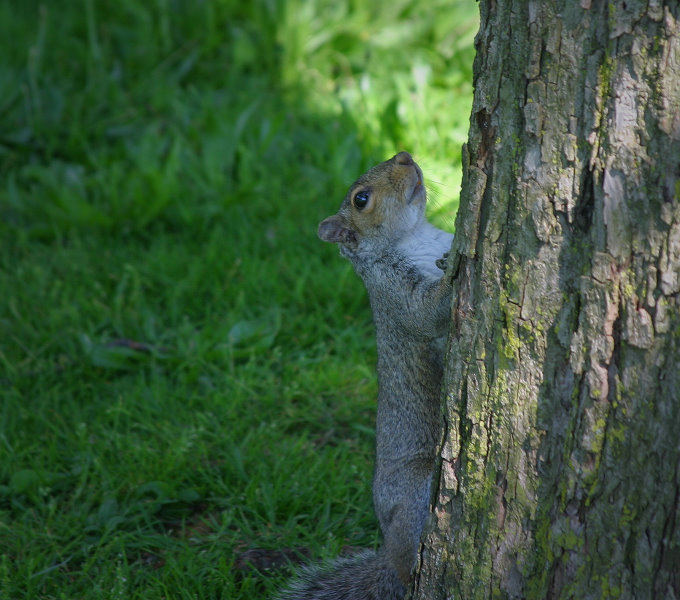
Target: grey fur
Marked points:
365	576
396	252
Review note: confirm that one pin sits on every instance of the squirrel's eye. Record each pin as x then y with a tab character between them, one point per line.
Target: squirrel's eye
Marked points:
361	200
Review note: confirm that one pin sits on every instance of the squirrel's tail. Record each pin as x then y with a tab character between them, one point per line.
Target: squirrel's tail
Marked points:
364	576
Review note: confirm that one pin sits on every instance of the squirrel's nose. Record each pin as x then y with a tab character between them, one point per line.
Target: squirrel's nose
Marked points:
403	158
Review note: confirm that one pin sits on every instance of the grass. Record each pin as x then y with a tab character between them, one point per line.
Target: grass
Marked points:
186	372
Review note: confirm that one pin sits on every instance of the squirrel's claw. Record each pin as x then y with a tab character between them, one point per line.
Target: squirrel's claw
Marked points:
441	262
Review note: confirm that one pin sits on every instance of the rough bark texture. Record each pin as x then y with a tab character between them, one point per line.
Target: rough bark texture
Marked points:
560	464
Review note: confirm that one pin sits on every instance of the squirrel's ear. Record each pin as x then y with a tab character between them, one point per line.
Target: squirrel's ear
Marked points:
333	230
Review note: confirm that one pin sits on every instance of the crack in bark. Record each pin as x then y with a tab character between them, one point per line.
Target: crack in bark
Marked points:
668	526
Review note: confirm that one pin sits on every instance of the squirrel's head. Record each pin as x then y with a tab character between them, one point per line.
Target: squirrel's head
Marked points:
382	204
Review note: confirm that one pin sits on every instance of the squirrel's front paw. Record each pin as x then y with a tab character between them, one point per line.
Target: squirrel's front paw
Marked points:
441	262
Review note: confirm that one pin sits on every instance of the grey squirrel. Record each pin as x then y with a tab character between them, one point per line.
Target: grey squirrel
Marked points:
382	229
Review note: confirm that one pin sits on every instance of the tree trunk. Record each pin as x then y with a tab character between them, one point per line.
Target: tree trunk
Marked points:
561	457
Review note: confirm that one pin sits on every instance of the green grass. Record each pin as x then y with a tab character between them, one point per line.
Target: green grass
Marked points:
163	168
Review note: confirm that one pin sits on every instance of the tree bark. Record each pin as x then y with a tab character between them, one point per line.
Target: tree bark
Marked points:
560	474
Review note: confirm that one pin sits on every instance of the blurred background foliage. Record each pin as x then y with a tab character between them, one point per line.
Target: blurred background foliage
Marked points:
186	371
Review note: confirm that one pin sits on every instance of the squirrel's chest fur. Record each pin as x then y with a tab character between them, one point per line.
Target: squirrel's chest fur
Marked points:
424	246
396	274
